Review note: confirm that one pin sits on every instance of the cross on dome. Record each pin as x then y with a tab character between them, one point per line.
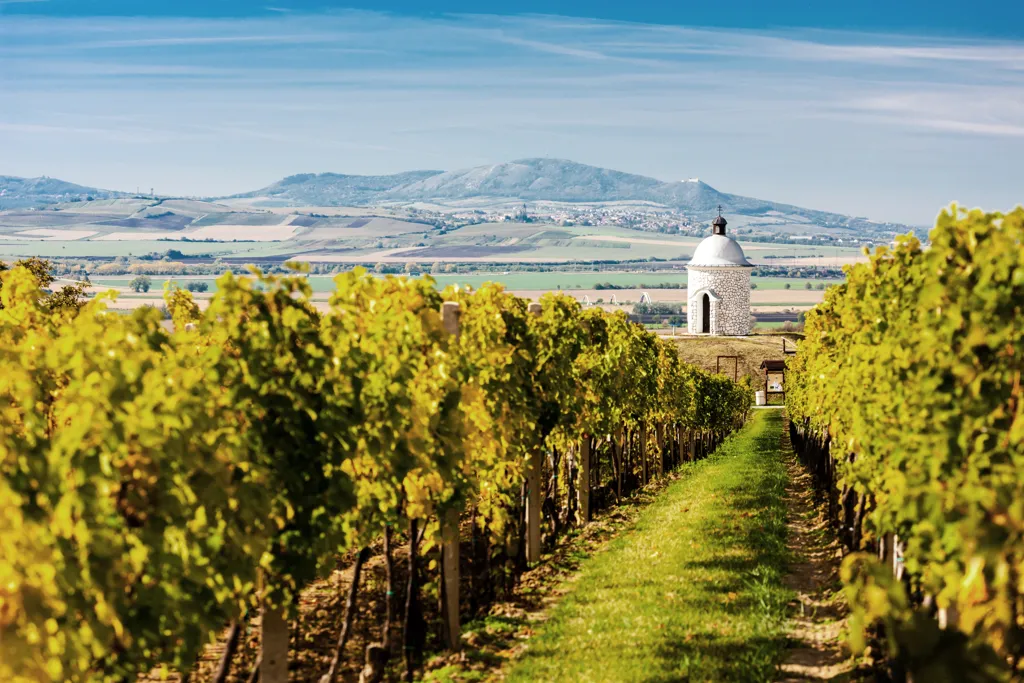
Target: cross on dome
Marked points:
718	225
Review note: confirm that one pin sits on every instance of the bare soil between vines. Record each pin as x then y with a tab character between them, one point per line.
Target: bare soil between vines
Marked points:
490	639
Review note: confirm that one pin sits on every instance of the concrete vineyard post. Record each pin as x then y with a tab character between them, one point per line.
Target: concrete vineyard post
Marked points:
897	557
620	447
583	490
533	490
642	452
677	456
450	531
659	437
273	645
533	508
948	617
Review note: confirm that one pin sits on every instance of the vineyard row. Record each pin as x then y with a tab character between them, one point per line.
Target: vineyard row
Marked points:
906	404
156	486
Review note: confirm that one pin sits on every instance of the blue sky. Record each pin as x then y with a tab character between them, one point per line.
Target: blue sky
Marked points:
887	110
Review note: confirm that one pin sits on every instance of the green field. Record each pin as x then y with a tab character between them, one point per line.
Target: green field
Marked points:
516	281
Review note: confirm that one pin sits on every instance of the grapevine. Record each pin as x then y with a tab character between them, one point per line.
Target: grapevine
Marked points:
906	401
159	484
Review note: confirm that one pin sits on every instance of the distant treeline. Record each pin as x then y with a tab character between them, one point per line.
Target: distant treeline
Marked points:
655	285
176	262
800	272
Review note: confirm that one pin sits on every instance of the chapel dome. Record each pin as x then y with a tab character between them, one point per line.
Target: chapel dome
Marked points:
719	250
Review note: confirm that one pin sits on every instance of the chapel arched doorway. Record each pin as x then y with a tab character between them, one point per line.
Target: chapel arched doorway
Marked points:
705	312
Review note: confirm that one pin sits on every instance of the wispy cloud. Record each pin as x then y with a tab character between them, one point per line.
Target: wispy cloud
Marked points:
188	41
362	91
972	127
118	134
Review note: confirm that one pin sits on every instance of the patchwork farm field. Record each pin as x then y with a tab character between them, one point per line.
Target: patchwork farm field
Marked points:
93	248
133	227
237	233
553	281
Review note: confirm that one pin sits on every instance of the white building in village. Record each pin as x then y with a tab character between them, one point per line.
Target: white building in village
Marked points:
718	285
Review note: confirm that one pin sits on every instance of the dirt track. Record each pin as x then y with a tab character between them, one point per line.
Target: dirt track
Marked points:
818	615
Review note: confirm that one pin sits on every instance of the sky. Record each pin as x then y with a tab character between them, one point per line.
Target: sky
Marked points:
885	110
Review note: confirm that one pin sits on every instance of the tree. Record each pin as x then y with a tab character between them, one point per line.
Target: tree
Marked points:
140	283
786	286
41	270
197	286
435	268
753	285
411	268
67	298
380	268
807	285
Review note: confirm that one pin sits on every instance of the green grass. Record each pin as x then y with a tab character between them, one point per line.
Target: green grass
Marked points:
694	591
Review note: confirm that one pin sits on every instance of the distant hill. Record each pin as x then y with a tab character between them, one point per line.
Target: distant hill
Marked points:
18	193
525	180
336	189
555	180
552	180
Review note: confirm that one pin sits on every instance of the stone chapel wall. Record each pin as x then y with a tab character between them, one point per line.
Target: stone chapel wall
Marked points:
731	313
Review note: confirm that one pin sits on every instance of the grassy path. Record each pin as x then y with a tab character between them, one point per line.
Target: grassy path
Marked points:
694	592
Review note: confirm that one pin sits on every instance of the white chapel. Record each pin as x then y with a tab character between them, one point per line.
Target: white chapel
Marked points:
718	285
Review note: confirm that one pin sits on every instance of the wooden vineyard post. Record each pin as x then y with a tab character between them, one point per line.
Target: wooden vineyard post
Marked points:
533	471
273	645
887	553
450	572
584	487
642	452
450	530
